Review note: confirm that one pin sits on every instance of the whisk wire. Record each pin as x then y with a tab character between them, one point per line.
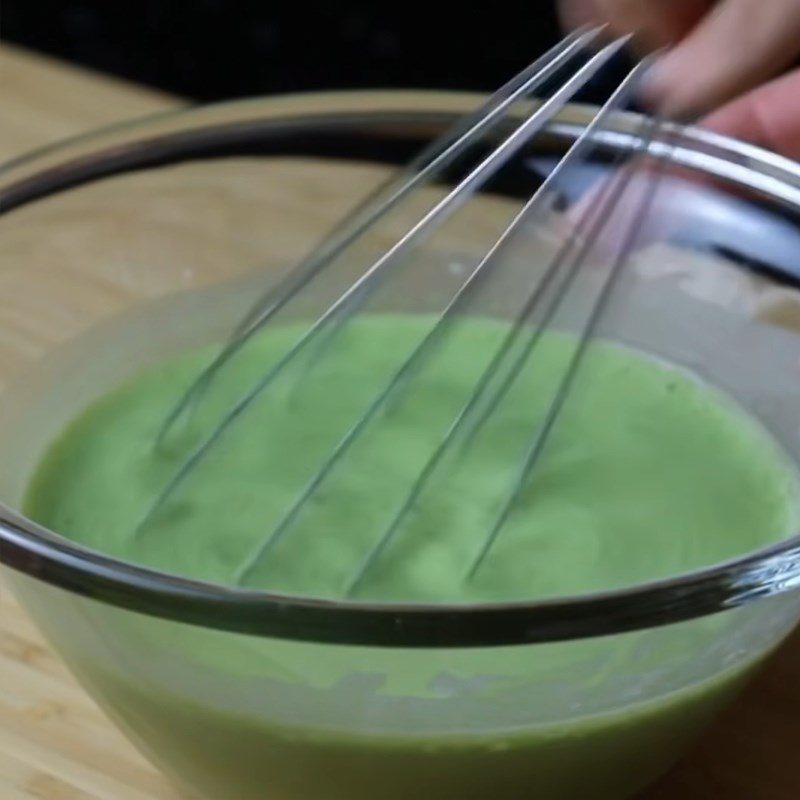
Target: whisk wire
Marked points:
480	272
543	297
543	432
433	159
454	199
520	323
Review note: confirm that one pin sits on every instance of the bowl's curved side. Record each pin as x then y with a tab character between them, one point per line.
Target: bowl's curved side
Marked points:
274	127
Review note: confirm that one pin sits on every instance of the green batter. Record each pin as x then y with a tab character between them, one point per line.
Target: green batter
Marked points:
648	473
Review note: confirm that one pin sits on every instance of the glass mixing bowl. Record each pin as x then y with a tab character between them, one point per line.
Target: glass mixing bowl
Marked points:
127	245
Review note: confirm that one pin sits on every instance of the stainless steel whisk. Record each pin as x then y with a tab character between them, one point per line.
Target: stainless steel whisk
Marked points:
576	59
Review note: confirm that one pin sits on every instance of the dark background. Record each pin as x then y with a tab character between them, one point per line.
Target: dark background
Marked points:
214	49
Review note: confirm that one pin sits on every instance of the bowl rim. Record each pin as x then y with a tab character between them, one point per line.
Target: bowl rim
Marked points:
31	549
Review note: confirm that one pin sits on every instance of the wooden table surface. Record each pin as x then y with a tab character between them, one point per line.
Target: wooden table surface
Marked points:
55	744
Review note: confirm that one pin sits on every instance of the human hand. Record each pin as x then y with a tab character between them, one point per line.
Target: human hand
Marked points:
720	56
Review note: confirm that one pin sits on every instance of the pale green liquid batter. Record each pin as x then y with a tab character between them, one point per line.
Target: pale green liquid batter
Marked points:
648	473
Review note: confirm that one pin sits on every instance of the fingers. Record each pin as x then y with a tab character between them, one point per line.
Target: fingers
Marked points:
575	13
738	45
656	22
721	49
768	116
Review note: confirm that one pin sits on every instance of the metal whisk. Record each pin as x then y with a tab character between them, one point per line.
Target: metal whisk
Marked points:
570	65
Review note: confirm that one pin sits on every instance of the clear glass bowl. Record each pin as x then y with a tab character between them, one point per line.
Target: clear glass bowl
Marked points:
151	237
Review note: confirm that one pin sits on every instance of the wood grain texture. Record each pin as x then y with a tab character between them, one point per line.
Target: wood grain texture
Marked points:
55	744
43	101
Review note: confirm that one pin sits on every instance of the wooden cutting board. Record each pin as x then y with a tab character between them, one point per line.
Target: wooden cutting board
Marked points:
55	744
